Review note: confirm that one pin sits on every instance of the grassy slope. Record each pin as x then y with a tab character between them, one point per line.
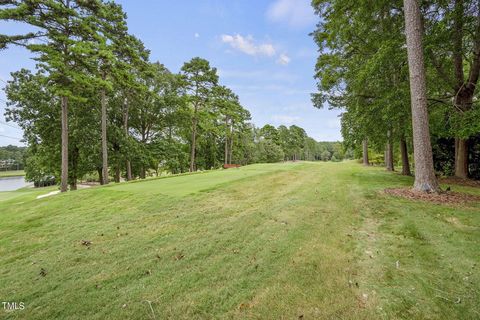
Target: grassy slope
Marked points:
262	242
12	173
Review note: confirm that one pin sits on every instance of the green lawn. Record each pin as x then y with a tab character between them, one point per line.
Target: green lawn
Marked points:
276	241
12	173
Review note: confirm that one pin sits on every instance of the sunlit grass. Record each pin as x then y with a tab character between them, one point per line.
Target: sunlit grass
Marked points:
317	240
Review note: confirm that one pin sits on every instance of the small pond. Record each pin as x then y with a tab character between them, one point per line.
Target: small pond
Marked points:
13	183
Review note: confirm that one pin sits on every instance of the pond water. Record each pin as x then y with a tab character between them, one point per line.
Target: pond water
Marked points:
13	183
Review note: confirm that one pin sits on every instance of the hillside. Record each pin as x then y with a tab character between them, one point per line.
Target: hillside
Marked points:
294	240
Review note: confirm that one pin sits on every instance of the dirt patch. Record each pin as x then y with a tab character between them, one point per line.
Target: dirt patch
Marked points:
458	224
461	182
446	197
455	221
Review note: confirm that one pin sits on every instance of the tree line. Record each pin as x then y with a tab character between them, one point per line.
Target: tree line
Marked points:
12	157
97	103
366	51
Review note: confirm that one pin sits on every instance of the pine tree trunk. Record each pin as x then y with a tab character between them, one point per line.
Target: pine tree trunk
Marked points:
194	142
465	90
231	150
103	102
425	180
100	175
117	173
456	152
461	160
125	128
74	168
405	162
129	170
365	152
64	174
390	163
226	141
463	101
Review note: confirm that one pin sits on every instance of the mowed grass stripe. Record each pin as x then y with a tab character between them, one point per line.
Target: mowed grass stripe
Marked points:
279	242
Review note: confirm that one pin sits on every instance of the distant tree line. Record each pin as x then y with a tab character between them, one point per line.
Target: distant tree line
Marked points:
363	69
12	157
292	143
97	103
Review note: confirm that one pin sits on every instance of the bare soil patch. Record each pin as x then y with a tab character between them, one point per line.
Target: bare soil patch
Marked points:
445	197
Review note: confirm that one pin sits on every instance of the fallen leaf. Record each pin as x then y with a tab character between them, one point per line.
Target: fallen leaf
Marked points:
179	256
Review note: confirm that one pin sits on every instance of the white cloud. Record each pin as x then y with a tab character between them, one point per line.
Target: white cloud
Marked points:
283	59
296	13
248	46
284	119
196	35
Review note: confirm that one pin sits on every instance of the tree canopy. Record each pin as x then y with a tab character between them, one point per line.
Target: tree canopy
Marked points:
97	106
362	69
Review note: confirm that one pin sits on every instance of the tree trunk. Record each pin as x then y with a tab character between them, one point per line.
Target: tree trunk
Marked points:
226	141
405	162
125	128
464	90
129	170
463	101
74	169
456	151
103	102
231	150
389	164
365	152
461	161
64	174
117	173
425	180
194	142
100	175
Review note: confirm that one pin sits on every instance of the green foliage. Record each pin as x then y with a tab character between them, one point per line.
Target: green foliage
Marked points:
363	70
155	118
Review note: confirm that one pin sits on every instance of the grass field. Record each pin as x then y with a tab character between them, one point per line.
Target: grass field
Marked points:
12	173
276	241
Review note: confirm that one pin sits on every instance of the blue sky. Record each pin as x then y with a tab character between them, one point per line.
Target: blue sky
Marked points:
261	49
